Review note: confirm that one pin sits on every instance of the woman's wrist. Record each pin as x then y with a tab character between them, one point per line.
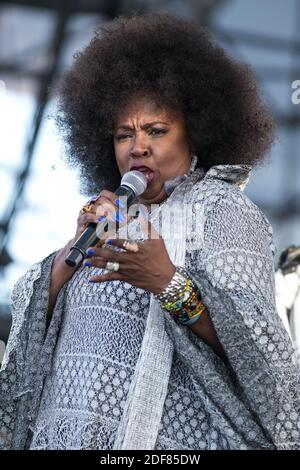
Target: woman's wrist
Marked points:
181	298
164	279
60	269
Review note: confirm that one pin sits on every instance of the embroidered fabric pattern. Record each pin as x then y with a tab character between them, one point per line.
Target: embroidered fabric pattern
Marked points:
70	389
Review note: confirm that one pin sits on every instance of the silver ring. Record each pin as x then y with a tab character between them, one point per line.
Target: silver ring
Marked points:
112	265
131	246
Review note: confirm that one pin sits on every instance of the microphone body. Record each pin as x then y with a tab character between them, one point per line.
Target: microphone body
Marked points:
133	184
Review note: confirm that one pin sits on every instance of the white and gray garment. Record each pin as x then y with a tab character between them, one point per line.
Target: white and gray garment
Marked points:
114	371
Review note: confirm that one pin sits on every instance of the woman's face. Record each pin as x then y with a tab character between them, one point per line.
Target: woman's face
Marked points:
149	137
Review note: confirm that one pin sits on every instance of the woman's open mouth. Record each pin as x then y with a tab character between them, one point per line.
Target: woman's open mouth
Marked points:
149	174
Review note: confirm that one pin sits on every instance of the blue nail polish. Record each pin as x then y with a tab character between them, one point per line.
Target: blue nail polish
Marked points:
93	199
90	251
119	203
109	242
91	280
101	218
87	263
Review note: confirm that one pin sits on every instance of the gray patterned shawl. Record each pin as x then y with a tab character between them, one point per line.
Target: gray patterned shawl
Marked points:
228	249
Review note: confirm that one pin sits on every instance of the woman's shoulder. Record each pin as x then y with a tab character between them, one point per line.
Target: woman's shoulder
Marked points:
220	195
224	184
221	181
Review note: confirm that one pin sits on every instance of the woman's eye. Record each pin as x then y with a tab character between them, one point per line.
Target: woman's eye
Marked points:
152	132
158	131
123	136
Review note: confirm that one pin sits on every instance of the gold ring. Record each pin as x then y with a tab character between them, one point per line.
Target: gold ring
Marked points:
87	208
89	204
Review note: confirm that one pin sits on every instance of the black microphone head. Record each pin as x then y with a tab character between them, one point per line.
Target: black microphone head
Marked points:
136	181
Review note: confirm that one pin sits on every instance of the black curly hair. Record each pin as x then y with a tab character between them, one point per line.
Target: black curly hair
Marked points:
180	66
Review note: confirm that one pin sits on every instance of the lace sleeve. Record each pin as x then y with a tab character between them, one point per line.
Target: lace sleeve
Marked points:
18	375
235	274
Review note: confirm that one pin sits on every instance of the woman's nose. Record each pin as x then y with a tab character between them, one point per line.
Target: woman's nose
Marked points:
139	148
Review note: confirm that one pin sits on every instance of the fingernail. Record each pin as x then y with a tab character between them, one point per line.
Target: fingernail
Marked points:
109	242
119	203
87	263
90	251
101	218
91	280
93	198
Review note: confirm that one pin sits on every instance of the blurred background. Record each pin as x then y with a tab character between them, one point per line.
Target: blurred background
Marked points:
40	198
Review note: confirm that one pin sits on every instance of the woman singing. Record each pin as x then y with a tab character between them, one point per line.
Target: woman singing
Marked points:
170	341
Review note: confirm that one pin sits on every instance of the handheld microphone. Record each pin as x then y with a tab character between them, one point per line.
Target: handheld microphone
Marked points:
133	184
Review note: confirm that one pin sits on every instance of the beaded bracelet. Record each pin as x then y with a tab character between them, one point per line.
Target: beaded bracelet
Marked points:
181	299
186	312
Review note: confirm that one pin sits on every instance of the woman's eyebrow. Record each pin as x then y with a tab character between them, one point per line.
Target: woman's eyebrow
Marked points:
145	126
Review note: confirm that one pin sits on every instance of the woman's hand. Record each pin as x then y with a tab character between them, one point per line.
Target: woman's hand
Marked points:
150	268
103	206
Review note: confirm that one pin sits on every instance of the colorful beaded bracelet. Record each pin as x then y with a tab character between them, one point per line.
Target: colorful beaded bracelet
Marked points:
184	304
